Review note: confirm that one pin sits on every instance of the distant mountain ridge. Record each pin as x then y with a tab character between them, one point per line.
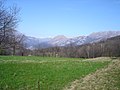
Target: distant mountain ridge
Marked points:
62	40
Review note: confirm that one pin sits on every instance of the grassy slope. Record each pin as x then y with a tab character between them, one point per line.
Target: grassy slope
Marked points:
104	79
52	73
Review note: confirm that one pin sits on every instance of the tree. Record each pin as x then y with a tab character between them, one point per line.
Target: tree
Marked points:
8	23
17	42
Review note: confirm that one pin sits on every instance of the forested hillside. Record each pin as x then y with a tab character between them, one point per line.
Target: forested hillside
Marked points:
107	48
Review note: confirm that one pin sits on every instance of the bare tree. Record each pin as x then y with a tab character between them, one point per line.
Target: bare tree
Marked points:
8	23
88	51
17	42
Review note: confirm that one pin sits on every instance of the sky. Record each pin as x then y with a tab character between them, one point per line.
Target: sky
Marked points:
49	18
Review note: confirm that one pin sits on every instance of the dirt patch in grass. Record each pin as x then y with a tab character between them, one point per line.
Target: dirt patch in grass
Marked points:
107	78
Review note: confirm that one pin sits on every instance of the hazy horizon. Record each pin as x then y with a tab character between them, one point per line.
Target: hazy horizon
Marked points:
72	36
49	18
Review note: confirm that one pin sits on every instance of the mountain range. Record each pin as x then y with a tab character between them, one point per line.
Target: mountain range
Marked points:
61	40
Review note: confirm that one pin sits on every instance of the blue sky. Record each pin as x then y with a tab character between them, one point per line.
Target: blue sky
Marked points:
48	18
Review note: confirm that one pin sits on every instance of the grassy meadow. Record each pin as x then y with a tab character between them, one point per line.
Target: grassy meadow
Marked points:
107	78
43	73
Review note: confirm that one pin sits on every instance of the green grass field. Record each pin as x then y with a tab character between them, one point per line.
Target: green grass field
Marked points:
107	78
43	73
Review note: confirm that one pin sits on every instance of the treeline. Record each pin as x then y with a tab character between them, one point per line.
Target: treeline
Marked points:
106	48
11	41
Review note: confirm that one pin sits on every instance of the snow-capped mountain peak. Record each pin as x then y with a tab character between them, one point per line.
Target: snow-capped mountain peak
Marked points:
62	40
